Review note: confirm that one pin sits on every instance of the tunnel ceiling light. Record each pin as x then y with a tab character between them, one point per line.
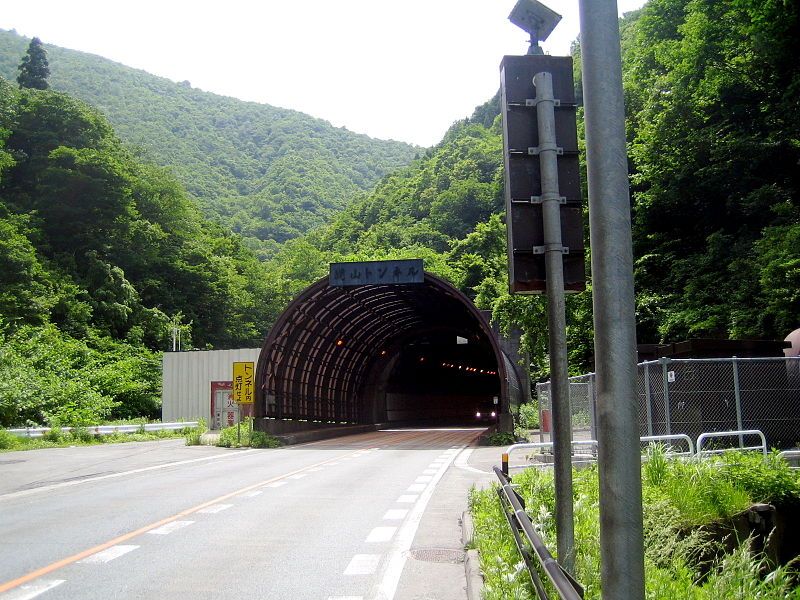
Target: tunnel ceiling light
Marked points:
340	342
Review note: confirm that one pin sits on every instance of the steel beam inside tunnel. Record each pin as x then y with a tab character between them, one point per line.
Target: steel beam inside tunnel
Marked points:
383	353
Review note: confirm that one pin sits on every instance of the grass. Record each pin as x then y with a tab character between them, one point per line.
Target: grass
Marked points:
245	436
79	436
679	497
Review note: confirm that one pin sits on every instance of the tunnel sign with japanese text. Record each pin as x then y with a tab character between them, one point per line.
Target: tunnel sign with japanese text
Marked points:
243	377
379	272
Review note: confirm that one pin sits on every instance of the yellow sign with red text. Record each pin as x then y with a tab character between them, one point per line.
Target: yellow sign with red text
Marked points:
243	382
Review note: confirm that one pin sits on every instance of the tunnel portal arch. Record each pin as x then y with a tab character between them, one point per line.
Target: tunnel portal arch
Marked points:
383	353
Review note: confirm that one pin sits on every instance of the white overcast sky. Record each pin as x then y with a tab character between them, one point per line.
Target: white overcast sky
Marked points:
403	70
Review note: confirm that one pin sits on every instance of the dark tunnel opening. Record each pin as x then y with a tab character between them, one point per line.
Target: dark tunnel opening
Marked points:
369	354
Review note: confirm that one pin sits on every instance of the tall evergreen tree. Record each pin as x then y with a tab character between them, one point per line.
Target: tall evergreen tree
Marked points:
34	69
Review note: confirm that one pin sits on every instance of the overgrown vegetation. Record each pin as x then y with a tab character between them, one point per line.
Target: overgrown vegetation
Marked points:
81	436
679	498
243	435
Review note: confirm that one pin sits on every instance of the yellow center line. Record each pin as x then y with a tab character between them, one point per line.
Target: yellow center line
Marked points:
10	585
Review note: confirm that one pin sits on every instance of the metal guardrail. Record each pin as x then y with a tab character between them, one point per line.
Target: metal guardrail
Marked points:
663	438
536	445
35	432
740	433
521	527
792	457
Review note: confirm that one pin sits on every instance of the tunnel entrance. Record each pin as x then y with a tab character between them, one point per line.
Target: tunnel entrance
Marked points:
399	353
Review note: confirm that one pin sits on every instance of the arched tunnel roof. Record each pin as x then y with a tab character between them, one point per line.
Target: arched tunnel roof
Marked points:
316	359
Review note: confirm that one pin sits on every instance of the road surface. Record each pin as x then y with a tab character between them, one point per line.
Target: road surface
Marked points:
367	516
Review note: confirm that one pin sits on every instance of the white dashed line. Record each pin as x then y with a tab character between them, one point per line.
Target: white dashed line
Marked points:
314	470
430	471
363	564
333	464
170	527
276	484
214	508
108	555
31	590
423	479
416	487
381	534
395	514
345	597
298	475
251	494
407	498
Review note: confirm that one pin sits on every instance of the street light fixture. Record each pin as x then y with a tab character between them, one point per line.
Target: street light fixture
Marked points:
535	19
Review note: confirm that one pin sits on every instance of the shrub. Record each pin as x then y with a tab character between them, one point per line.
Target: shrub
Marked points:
7	440
259	439
193	434
501	438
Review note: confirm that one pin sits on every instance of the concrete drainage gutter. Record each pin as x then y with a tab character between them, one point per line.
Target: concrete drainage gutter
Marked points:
472	563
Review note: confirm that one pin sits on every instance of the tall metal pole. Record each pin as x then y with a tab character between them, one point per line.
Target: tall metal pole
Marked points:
621	539
556	319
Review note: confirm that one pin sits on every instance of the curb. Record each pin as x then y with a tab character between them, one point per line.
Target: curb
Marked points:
472	563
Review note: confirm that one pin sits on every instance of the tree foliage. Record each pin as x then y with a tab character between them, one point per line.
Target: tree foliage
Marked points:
34	69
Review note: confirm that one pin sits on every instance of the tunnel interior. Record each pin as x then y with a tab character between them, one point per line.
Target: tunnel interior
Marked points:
404	353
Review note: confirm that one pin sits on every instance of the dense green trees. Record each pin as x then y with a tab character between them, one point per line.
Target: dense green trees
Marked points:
34	69
268	173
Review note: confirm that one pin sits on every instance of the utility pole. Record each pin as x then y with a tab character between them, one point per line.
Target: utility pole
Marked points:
545	228
621	537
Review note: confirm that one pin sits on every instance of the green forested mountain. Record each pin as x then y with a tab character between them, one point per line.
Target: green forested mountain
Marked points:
100	250
267	172
714	137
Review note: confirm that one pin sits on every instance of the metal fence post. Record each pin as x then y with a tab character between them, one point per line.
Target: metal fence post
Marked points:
647	399
737	394
592	407
667	417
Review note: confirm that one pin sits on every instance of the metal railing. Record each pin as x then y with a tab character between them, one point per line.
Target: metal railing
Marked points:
692	396
649	439
523	531
723	434
35	432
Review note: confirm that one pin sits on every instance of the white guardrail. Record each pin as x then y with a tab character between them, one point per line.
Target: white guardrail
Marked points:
791	456
34	432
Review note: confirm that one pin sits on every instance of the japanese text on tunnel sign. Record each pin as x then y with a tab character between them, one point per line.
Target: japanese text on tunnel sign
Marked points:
379	272
243	377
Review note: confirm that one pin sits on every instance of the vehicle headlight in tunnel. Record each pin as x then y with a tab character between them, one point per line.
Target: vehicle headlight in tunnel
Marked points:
494	414
477	415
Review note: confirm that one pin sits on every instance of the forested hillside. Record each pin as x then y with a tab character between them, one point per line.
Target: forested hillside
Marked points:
101	255
266	172
714	132
101	251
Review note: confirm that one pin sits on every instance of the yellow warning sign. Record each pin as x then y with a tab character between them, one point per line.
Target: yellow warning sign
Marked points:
243	382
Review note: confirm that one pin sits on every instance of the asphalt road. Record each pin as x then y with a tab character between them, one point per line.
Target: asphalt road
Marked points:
341	519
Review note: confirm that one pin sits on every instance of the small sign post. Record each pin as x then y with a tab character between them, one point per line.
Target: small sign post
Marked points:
243	382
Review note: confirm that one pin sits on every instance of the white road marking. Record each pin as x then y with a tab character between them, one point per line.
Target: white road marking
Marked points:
381	534
109	554
423	479
214	508
250	494
31	590
298	475
276	484
416	487
395	514
407	498
331	464
170	527
430	471
55	486
314	470
363	564
345	597
404	538
461	462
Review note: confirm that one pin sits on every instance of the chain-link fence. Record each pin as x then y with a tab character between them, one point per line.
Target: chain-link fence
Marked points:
694	396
